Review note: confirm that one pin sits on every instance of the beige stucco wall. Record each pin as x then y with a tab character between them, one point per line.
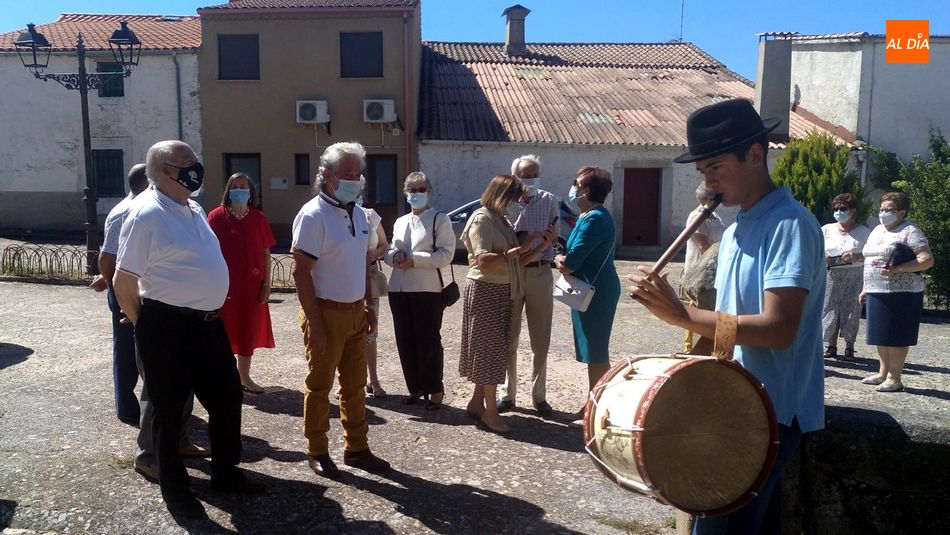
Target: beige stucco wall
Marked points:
300	60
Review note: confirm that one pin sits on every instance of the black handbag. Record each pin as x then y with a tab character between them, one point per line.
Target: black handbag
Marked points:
450	293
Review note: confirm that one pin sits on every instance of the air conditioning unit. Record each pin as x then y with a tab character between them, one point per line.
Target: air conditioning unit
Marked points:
379	111
312	112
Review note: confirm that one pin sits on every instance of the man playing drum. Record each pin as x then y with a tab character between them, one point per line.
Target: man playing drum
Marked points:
771	276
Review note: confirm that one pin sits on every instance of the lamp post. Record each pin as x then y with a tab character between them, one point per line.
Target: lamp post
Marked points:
34	51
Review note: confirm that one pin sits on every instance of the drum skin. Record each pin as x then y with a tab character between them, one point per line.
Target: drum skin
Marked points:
709	436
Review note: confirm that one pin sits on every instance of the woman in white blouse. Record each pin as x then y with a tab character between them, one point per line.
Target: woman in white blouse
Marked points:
844	240
894	288
423	243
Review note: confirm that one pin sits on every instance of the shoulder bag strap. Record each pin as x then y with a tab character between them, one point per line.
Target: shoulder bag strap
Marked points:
435	219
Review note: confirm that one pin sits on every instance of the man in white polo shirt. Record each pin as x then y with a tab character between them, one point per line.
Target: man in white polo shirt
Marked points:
170	281
330	239
125	365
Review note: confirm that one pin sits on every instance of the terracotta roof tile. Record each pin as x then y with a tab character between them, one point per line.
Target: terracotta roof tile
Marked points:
637	94
311	4
157	32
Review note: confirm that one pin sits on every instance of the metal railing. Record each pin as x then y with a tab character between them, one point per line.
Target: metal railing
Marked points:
68	263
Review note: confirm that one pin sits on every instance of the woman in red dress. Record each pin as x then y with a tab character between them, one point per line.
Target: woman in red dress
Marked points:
246	240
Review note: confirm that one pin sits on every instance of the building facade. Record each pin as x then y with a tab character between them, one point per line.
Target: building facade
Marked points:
845	80
43	172
280	81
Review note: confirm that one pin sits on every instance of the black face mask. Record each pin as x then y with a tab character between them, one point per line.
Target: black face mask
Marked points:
190	177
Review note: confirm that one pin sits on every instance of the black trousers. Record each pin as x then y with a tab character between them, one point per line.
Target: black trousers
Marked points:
417	320
181	354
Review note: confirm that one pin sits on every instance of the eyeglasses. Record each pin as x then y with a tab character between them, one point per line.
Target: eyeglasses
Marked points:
417	190
842	208
889	210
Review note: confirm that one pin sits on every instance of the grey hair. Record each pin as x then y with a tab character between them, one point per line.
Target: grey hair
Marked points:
333	154
157	156
528	158
704	192
416	176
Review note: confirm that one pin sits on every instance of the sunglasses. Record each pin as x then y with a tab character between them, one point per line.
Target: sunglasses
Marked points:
417	190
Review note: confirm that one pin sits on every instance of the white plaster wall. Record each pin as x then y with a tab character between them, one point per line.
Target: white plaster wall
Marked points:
41	125
828	80
460	171
907	100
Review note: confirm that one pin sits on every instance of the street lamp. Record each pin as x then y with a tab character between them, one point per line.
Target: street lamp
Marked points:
34	51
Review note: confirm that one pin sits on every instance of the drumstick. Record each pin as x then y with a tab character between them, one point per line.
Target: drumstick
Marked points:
684	236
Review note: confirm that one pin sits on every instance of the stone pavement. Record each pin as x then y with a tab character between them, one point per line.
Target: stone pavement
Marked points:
65	460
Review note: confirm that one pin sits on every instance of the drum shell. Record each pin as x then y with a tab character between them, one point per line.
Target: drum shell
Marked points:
696	433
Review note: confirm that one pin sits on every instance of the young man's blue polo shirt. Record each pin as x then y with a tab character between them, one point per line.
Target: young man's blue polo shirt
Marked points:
778	244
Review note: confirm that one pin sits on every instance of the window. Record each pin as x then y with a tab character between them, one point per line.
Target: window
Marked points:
238	57
108	173
245	163
112	86
302	169
361	55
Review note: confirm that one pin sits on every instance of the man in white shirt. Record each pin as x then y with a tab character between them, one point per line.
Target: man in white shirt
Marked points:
170	281
125	365
536	214
330	239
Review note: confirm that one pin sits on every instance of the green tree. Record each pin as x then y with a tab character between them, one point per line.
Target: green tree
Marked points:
927	183
815	169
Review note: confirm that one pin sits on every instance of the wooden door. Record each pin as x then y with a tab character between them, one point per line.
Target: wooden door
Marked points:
641	206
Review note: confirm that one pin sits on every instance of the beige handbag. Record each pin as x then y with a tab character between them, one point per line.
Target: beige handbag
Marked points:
379	286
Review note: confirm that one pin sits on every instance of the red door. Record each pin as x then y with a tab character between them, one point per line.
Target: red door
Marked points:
641	206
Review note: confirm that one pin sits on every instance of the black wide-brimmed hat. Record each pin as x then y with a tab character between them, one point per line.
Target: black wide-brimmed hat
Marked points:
722	126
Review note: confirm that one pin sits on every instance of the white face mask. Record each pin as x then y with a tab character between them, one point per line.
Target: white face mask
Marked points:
418	199
887	218
841	216
532	185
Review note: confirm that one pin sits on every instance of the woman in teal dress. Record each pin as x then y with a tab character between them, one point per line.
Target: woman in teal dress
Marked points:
590	257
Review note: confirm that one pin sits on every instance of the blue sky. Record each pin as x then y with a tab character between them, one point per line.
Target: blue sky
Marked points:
723	28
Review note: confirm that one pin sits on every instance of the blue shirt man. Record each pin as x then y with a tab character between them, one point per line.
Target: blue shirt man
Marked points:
771	277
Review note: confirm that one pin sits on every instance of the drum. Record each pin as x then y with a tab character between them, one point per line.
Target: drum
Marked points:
697	433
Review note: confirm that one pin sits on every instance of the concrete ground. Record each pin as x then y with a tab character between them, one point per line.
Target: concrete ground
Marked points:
65	460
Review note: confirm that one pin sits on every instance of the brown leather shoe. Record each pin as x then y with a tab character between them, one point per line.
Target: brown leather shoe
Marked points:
323	465
365	460
194	451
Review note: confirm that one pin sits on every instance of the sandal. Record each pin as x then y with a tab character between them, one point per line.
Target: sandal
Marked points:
413	398
848	355
252	389
495	428
434	405
831	352
375	390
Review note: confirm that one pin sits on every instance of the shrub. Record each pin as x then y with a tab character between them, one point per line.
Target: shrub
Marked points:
927	183
815	169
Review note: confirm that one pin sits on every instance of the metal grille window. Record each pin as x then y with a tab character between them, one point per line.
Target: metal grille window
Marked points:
112	86
108	173
238	57
361	55
302	169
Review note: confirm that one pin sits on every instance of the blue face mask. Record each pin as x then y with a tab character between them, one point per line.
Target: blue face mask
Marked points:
347	190
841	216
572	196
417	200
532	185
239	195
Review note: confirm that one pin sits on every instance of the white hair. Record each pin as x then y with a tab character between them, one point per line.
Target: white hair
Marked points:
333	154
158	155
527	159
704	192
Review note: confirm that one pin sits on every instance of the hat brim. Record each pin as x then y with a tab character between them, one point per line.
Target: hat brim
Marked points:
768	125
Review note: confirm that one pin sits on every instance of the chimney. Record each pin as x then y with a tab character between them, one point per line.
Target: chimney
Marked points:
773	81
514	34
